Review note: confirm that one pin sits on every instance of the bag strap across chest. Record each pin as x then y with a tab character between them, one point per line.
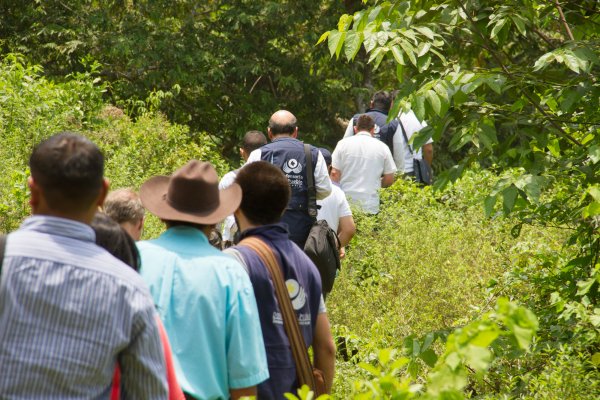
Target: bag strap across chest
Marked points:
290	321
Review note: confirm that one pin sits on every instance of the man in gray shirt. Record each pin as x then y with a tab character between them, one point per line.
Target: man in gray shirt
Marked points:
69	311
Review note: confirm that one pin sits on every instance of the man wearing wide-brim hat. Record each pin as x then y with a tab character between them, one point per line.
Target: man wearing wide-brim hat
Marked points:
204	298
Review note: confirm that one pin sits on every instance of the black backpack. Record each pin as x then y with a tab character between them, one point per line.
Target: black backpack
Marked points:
322	245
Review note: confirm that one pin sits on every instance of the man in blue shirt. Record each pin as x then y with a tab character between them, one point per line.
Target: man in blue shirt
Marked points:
266	194
204	298
69	311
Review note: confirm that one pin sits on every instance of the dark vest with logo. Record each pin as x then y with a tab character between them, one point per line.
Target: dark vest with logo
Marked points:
288	154
304	284
386	131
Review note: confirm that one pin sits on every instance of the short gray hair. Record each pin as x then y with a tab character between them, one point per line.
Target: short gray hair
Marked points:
124	205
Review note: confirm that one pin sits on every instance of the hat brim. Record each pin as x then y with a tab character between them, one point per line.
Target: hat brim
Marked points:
153	194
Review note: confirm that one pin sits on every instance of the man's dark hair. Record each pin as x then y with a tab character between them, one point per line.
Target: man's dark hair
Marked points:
69	169
287	128
253	140
265	192
382	101
365	123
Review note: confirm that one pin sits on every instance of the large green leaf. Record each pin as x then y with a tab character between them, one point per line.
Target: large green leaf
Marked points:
434	101
352	44
409	50
510	196
398	56
334	40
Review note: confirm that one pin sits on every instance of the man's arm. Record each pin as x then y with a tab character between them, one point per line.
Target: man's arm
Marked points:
346	229
143	371
387	180
428	153
239	393
322	181
324	350
389	167
336	175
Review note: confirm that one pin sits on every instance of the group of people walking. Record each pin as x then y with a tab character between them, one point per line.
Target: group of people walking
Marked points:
88	312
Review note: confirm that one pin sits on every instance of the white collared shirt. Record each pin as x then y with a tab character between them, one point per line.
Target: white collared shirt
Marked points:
362	160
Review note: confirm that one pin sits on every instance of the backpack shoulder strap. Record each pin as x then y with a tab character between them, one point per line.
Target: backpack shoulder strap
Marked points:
290	321
2	250
405	137
312	190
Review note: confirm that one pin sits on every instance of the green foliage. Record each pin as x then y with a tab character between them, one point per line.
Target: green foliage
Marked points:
229	64
514	89
33	108
426	264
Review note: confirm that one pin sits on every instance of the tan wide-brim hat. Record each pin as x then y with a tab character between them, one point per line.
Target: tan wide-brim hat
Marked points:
191	194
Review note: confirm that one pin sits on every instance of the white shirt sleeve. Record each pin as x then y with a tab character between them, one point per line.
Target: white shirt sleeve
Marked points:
389	166
322	181
322	308
398	143
227	180
350	129
344	208
335	156
254	156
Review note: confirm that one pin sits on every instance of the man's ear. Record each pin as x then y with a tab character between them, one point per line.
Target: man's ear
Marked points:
270	134
295	134
355	129
35	192
244	154
103	192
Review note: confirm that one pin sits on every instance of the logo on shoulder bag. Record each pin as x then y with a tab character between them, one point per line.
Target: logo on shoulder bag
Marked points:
292	165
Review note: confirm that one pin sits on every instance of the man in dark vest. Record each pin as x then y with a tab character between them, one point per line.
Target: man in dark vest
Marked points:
391	133
265	195
287	152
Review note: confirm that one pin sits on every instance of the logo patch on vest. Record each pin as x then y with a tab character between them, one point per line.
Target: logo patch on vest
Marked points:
292	165
297	293
298	297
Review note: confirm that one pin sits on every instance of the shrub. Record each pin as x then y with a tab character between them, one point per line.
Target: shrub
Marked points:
34	108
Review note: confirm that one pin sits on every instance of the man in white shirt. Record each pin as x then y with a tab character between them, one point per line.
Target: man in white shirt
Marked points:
412	125
336	210
362	165
391	133
252	140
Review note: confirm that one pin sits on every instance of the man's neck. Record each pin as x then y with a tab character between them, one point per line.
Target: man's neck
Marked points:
379	110
282	135
243	222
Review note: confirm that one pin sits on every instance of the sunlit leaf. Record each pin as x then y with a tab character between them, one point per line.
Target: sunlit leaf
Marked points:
323	37
333	40
352	44
434	101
